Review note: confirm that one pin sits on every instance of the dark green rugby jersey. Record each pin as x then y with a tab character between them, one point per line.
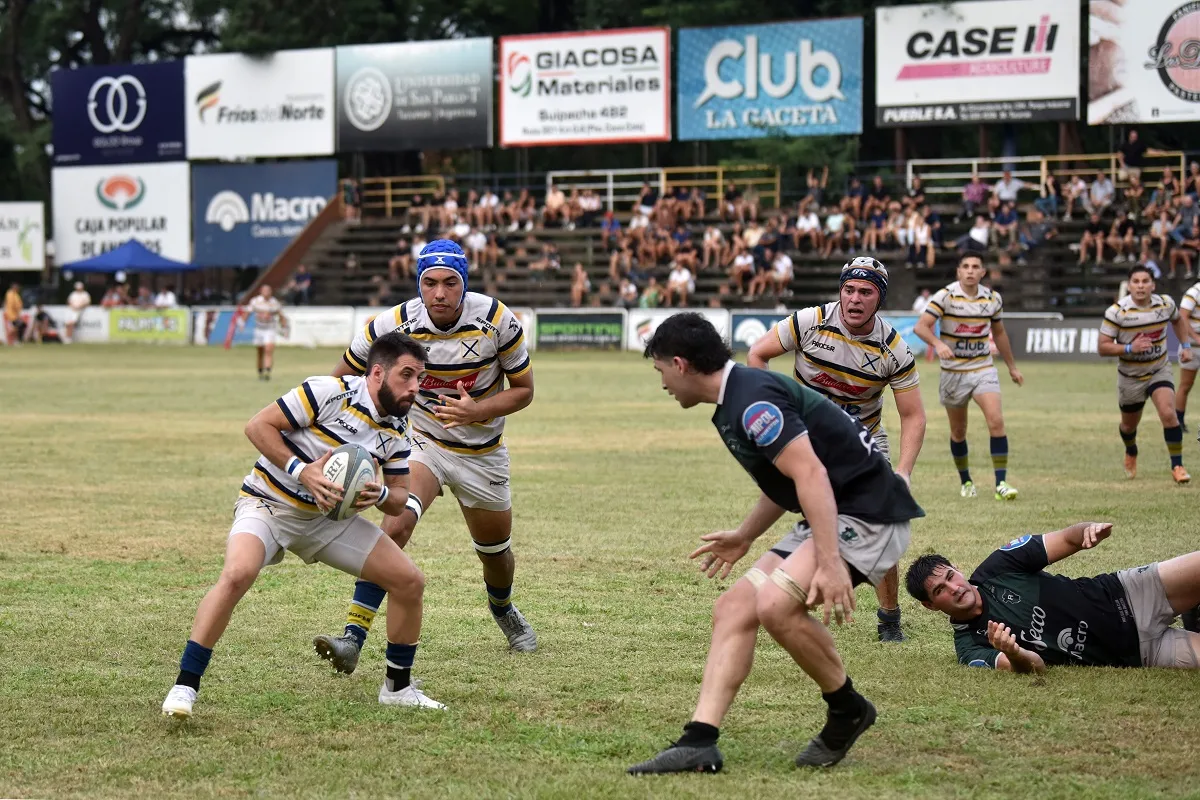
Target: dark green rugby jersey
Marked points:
1086	621
760	412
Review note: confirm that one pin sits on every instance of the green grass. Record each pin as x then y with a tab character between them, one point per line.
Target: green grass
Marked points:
120	469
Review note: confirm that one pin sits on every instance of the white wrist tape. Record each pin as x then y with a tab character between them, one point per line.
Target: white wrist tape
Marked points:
294	467
413	504
383	496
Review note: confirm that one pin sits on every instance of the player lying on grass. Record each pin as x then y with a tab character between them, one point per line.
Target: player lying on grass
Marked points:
807	456
1012	615
285	497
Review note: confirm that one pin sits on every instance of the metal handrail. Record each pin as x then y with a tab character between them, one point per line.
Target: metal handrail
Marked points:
396	193
622	186
947	175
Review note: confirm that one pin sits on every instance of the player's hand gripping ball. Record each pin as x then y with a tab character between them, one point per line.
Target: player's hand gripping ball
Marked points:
351	467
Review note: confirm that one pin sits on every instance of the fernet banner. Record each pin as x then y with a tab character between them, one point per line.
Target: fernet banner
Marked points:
972	62
1143	62
788	78
586	88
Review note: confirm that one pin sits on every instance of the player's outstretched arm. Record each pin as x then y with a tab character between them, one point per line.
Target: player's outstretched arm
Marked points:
767	347
912	429
1069	541
723	549
924	331
264	432
1013	657
1004	346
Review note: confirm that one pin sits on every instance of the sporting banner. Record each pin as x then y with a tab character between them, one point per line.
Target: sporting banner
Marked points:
415	95
644	321
122	114
149	325
593	87
973	62
97	209
276	105
22	236
783	79
246	214
1142	62
559	329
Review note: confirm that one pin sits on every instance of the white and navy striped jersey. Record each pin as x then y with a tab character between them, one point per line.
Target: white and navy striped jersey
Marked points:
480	349
852	371
327	412
966	325
1191	299
1125	321
266	312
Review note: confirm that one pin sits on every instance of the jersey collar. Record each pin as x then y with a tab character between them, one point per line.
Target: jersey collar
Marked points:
729	365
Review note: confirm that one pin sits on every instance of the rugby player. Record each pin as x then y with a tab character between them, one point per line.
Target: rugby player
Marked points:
807	456
969	314
268	319
474	345
1013	615
1135	330
284	498
1187	369
847	352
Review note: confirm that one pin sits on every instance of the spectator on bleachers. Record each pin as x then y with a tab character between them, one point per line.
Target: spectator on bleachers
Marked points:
852	203
977	239
380	291
974	195
460	231
1132	155
1004	222
920	246
680	201
808	228
915	196
590	206
680	284
771	240
610	232
166	298
1189	210
1051	197
875	231
741	269
732	207
935	225
839	233
351	263
750	202
416	216
902	224
686	254
1093	238
555	210
1005	191
1186	249
1101	194
647	200
1076	192
13	306
549	261
921	302
878	196
1037	230
651	295
814	197
1160	233
469	213
714	247
782	271
696	200
895	233
580	285
115	297
1166	196
486	212
627	297
449	211
475	244
752	233
144	299
1132	197
524	211
351	201
1122	238
1146	259
299	288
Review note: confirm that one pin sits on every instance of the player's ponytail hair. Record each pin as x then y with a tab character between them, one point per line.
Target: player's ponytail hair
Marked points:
691	337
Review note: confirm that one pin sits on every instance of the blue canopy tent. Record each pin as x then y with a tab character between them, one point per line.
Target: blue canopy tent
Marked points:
130	257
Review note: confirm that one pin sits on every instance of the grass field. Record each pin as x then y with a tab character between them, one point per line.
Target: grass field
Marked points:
121	464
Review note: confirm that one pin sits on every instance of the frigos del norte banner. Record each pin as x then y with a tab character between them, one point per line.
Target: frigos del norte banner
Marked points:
586	88
970	62
790	78
1143	62
120	114
22	236
276	105
97	209
415	95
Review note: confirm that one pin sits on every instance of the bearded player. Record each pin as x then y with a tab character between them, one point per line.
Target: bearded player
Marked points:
268	319
848	353
475	345
1135	331
969	314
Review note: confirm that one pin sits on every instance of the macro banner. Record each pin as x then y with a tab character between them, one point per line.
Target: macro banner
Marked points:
783	79
1143	62
246	214
975	62
149	325
749	326
415	95
22	236
243	107
644	321
560	329
595	87
97	209
122	114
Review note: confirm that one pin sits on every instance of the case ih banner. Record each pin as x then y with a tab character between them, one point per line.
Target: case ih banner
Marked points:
121	114
989	61
97	209
586	88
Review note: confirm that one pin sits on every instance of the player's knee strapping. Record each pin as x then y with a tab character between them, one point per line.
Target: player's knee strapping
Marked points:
959	451
786	582
1174	437
492	550
1130	440
999	445
756	577
363	608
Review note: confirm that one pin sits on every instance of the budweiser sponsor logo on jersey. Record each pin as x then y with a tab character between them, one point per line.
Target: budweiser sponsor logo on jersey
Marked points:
972	329
468	382
833	383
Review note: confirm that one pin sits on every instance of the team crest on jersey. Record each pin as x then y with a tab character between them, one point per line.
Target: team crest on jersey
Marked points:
763	422
870	361
1018	542
470	348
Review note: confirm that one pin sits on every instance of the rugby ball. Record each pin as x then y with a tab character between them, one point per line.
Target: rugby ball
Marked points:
350	467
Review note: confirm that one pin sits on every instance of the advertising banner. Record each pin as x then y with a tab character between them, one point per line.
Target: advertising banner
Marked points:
788	78
1142	62
242	107
97	209
644	321
22	236
307	326
750	326
415	95
120	114
246	214
149	325
586	88
558	329
92	327
973	62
